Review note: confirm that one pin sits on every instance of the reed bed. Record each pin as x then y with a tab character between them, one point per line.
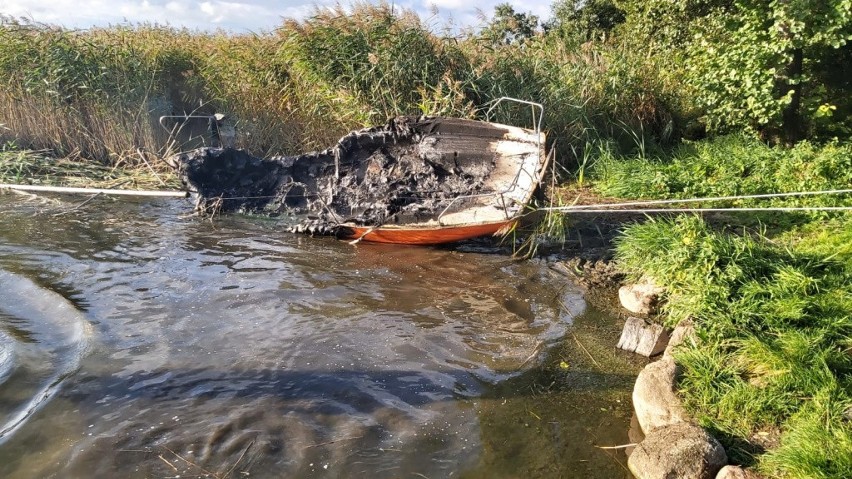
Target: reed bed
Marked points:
97	94
42	168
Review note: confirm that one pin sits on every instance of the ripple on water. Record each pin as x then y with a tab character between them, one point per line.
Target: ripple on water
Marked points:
7	356
44	340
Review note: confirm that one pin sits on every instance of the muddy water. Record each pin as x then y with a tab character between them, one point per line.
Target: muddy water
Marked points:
135	342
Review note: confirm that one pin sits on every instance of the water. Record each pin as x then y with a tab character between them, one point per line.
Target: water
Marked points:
136	342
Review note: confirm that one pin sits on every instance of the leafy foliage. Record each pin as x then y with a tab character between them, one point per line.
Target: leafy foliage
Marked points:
585	20
766	65
509	27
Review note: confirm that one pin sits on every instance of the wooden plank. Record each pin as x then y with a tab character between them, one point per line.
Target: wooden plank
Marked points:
95	191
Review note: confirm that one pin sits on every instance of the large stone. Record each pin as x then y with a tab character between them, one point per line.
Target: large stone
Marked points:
736	472
654	397
640	298
642	337
684	332
681	451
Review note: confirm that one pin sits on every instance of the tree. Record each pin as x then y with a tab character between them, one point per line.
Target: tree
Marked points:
585	19
771	65
509	27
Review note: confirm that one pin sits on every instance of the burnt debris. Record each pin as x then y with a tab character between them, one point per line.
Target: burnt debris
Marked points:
406	171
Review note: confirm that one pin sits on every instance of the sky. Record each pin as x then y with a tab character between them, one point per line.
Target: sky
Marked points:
239	16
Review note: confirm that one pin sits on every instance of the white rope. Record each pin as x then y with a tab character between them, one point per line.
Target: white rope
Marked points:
568	209
694	200
95	191
616	207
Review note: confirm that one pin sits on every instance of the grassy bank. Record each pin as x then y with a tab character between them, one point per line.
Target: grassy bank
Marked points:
772	300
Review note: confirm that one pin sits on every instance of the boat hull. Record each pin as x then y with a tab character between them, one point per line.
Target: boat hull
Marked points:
426	235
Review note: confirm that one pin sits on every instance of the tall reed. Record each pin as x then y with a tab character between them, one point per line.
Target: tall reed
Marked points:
98	93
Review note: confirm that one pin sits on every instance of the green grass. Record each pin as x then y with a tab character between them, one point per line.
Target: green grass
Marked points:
729	165
775	321
771	294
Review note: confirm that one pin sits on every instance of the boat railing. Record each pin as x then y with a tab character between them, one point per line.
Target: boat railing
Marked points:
533	105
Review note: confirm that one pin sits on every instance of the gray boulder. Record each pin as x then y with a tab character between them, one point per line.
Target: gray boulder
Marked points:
640	298
684	332
643	337
736	472
654	397
682	451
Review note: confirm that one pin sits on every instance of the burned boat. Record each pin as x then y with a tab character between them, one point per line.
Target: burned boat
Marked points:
415	180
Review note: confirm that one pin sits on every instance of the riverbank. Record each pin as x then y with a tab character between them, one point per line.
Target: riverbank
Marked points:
768	294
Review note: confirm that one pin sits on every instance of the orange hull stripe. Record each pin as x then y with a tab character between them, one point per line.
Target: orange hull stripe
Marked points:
427	236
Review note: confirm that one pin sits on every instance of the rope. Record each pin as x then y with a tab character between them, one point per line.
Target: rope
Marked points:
413	194
712	198
358	240
610	207
568	209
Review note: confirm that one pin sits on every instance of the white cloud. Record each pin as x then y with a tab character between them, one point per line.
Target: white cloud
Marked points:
173	7
449	4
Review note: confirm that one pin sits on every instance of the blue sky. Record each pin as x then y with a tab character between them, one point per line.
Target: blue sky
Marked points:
234	15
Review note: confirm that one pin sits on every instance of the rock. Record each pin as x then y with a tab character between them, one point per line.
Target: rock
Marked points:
736	472
682	451
640	298
683	332
642	337
654	397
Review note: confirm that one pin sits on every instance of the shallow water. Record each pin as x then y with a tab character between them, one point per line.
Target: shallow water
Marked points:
136	342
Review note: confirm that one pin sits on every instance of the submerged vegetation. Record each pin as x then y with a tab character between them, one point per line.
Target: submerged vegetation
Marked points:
643	99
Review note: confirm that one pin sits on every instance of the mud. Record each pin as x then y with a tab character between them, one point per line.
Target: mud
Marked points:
586	257
406	171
